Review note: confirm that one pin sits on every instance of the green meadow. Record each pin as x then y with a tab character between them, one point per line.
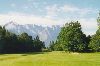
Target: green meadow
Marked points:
55	58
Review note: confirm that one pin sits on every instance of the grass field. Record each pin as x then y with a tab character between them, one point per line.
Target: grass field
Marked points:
50	59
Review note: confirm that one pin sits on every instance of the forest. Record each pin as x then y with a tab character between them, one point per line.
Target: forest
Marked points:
12	43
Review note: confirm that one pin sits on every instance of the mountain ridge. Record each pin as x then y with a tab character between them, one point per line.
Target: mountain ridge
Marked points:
46	33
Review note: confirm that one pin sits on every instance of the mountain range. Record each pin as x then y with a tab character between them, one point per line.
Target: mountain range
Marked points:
45	33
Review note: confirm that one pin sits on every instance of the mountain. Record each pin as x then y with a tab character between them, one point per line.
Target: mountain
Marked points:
45	33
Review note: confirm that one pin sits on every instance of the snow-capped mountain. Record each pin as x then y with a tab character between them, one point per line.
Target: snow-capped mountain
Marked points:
45	33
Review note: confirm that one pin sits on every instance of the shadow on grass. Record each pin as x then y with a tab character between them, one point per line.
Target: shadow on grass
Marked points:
24	53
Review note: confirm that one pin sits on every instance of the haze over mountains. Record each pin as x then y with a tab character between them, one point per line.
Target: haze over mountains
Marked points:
46	33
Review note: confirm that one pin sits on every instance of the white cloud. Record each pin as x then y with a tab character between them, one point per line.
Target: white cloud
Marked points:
68	8
52	11
89	25
27	19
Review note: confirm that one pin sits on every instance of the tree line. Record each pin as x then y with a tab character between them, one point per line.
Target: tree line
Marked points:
72	39
12	43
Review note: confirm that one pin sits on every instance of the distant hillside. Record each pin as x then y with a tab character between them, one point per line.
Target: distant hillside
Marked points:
46	33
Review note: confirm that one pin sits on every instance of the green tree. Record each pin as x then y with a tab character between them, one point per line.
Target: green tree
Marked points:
95	40
25	42
38	45
2	38
95	43
71	38
88	39
10	45
51	45
98	20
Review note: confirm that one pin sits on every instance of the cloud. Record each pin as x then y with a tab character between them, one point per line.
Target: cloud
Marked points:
52	11
21	18
89	26
68	8
55	10
76	10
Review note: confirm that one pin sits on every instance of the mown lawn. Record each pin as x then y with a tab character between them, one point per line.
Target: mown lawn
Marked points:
55	58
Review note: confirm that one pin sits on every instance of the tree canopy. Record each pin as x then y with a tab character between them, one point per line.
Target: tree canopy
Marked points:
71	38
95	41
12	43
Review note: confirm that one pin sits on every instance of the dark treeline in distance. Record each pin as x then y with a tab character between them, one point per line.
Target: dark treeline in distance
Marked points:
12	43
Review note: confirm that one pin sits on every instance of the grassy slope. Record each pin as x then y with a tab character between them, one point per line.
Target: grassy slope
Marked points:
51	59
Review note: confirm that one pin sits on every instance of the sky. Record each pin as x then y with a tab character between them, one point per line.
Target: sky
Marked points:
51	12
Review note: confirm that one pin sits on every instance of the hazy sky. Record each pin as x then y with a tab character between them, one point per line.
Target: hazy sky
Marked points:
51	12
